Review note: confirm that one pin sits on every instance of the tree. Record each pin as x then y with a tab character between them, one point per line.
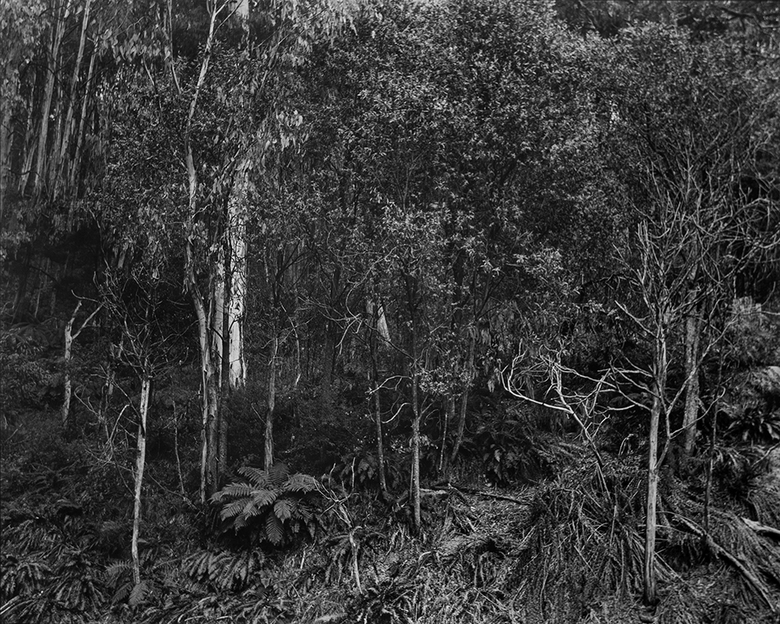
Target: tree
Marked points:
687	138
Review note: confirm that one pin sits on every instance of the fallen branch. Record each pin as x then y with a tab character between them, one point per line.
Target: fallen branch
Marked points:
762	529
719	551
476	492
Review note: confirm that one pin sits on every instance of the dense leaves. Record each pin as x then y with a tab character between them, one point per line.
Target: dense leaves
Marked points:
336	233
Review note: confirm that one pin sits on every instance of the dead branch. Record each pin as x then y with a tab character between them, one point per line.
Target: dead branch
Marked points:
721	552
762	529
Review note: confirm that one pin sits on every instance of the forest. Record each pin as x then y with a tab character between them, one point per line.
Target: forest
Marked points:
390	311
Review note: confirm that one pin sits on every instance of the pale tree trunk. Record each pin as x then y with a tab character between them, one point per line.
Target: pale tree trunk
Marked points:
380	449
218	304
60	173
51	72
208	401
241	8
269	420
29	151
68	384
224	391
692	337
70	336
208	382
76	165
220	347
237	217
660	368
5	146
416	448
139	476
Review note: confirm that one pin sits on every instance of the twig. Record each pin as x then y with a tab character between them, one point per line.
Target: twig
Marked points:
502	497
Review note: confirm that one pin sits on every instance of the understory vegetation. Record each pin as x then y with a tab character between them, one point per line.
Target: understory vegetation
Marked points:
375	311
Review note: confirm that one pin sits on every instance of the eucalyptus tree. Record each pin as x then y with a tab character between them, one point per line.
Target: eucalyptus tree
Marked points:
56	54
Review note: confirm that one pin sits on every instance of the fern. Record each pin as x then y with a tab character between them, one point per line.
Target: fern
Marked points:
137	594
224	570
23	577
119	578
283	509
269	506
257	477
278	474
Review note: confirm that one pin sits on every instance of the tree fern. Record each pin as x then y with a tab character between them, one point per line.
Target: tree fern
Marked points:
269	506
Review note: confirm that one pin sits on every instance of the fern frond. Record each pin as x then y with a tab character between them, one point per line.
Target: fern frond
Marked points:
122	593
251	509
274	530
233	509
284	508
236	490
262	498
278	473
300	483
203	565
257	476
303	512
240	522
217	564
137	594
115	570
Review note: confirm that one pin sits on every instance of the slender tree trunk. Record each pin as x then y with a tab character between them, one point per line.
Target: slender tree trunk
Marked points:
77	156
219	343
692	337
68	384
70	336
380	448
269	420
208	383
224	393
660	367
217	321
115	352
416	449
464	399
42	279
5	149
237	245
29	149
449	415
139	476
61	174
208	393
329	356
54	54
711	453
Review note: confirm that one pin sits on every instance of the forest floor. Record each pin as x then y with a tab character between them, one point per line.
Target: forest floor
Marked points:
564	548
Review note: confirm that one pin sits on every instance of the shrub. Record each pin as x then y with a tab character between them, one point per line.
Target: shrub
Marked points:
507	453
271	506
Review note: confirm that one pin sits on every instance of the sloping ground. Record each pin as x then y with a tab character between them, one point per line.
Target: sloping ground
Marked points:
572	550
567	550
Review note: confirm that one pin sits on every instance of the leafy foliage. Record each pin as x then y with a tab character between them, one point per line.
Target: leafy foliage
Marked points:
224	570
270	506
757	426
507	453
